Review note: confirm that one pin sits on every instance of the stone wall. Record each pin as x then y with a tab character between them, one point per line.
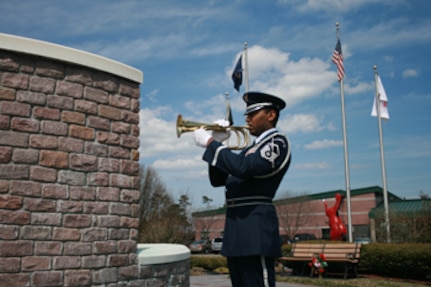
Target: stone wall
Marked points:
69	174
173	274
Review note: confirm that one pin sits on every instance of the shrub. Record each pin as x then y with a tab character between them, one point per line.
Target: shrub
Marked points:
286	249
397	260
408	261
208	262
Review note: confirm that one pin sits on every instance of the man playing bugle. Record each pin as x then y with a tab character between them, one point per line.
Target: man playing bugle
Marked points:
251	240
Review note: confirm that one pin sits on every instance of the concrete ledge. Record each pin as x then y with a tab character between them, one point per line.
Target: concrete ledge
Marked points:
66	54
160	253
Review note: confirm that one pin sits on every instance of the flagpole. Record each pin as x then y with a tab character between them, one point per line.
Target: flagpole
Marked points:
346	155
227	105
228	109
246	66
382	157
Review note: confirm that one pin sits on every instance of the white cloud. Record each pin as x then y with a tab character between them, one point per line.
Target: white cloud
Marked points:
409	73
335	5
272	71
312	165
158	136
305	123
208	110
354	87
179	163
323	144
151	96
389	33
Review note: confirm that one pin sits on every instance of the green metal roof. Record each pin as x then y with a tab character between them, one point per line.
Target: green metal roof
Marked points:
366	190
412	207
210	212
315	196
331	194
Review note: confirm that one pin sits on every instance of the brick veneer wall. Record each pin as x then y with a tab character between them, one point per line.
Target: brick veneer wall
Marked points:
69	174
173	274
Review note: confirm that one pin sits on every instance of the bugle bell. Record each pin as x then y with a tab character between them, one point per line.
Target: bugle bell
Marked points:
241	132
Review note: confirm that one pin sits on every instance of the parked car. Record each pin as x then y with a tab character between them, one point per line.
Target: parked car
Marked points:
200	246
216	244
363	240
303	237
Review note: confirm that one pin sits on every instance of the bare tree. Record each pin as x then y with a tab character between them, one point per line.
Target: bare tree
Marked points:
406	226
291	214
423	195
161	219
205	225
207	200
209	223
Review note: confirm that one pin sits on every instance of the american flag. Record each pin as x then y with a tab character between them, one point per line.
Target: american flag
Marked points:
337	58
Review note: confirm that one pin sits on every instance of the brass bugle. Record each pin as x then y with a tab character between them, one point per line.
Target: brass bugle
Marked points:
241	132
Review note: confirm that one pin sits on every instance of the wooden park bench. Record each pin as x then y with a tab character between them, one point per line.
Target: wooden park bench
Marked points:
345	253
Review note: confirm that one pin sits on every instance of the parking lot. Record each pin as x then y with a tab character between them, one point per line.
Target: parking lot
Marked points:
205	246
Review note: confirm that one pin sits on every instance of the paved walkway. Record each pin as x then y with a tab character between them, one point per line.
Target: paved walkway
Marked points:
224	281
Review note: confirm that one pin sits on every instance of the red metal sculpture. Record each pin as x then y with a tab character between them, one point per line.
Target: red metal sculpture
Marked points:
336	226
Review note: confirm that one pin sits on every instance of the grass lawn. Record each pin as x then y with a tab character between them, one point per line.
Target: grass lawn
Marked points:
335	280
361	281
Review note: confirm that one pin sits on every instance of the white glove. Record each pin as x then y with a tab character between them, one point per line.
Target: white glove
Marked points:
221	136
222	122
201	137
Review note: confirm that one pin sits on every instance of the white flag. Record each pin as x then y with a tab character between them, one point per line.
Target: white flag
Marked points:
384	113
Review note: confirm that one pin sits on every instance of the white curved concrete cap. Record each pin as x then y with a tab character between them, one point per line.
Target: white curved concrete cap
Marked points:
159	253
67	54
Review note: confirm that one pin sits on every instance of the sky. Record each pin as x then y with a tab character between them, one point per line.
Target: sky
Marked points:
187	51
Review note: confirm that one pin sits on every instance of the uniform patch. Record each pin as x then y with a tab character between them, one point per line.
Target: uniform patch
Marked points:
270	152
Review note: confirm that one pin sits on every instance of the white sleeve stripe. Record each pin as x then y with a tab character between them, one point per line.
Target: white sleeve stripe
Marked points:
214	161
